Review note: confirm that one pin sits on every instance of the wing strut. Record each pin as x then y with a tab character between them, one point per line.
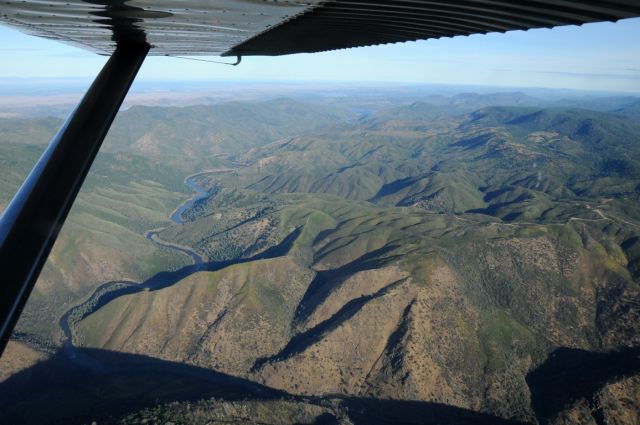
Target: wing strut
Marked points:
31	222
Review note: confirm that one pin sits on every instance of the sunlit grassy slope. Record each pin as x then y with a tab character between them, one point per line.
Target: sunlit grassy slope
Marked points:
429	251
136	182
438	258
103	238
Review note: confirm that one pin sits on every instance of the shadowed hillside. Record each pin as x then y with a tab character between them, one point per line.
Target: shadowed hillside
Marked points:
465	259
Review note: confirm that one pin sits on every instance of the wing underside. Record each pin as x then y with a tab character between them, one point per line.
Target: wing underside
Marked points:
276	27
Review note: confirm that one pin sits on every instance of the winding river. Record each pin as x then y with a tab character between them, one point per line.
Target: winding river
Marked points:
109	291
176	216
201	193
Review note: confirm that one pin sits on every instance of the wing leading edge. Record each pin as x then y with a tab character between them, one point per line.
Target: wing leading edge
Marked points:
280	27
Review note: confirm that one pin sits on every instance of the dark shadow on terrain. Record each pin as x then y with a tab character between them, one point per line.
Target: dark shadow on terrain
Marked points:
494	209
489	196
279	250
112	290
327	280
631	248
472	143
395	186
304	340
58	391
569	375
375	411
399	332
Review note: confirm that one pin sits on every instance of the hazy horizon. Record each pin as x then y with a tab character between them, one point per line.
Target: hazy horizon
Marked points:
431	232
598	57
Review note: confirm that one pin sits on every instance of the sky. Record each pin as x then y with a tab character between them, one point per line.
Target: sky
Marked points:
596	57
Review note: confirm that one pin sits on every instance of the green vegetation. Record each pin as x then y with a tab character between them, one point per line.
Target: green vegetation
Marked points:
103	239
501	335
438	250
204	131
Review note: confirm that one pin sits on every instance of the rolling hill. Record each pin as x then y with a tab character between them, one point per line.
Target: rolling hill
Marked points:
463	264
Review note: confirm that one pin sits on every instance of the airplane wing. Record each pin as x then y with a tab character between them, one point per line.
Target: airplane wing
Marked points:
279	27
128	30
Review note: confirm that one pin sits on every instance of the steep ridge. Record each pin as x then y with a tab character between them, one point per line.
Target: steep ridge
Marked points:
451	260
451	285
479	300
